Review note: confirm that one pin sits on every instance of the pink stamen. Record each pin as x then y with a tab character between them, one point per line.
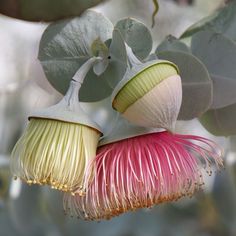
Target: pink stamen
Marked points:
143	171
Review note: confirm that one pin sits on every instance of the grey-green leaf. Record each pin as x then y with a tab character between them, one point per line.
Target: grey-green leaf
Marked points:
118	59
26	210
136	35
224	190
223	91
223	21
218	53
196	83
220	122
172	44
66	45
45	10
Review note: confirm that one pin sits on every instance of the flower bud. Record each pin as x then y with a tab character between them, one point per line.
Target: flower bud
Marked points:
150	94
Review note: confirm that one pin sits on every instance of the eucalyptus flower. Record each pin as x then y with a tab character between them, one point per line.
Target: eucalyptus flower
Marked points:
142	168
58	142
150	93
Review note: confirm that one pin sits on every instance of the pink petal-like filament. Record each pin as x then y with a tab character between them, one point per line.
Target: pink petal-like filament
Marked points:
143	171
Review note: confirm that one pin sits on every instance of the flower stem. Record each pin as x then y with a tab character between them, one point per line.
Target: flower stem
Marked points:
132	59
78	79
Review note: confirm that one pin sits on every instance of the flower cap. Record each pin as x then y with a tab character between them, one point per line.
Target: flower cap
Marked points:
150	94
67	110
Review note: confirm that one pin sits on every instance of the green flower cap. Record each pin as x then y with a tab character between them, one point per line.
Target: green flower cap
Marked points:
140	80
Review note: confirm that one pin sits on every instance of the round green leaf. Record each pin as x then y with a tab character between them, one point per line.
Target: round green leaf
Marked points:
223	91
136	35
201	25
66	45
172	44
220	122
218	53
118	59
224	191
196	83
45	10
223	21
26	209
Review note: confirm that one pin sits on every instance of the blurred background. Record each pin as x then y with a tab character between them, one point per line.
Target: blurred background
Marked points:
23	87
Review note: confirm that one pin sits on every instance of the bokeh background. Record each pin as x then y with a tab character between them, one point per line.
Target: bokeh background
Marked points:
36	210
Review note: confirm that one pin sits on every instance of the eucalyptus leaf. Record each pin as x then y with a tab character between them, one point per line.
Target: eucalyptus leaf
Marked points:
222	21
220	122
224	191
5	178
26	210
54	210
218	53
6	224
232	146
223	91
66	45
44	10
203	24
117	59
172	44
196	83
136	35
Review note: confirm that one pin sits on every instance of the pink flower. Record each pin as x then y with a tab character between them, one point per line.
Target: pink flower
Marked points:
143	171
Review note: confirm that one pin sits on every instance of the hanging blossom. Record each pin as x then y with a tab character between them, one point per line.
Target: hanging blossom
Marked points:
145	170
58	142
